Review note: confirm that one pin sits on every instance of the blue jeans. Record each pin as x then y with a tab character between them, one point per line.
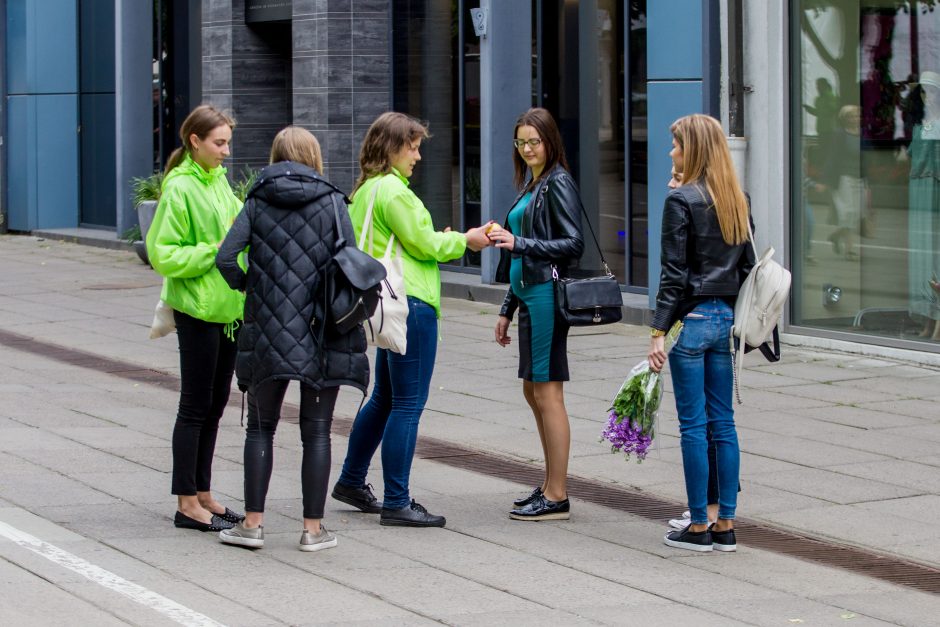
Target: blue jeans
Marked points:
391	416
702	379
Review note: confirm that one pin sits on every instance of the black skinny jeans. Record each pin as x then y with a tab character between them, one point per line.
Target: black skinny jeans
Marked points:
207	362
316	416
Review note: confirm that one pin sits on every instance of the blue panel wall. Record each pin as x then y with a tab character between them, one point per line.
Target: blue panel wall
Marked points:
667	102
674	41
57	161
17	58
21	161
55	45
42	117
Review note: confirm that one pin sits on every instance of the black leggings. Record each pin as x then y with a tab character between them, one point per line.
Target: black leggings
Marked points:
316	416
207	361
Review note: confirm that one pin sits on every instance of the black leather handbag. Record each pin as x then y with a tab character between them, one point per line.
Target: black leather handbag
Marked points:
591	301
354	283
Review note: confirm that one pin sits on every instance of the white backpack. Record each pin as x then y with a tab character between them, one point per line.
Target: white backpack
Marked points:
758	309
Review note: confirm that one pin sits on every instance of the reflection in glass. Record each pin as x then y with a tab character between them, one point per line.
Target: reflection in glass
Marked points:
924	201
866	162
609	224
638	207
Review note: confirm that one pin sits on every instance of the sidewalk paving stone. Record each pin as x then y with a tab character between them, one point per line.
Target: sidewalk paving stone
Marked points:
805	466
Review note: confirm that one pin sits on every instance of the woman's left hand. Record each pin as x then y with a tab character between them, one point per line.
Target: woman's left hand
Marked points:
502	238
657	354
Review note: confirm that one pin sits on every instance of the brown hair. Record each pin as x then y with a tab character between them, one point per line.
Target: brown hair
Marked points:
707	160
200	122
544	124
387	135
293	143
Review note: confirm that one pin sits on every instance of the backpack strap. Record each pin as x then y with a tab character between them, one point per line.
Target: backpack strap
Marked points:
739	348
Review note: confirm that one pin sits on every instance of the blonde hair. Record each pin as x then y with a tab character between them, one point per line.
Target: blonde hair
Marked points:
293	143
707	161
387	135
200	122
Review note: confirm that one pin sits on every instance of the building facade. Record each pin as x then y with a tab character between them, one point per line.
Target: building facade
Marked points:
833	113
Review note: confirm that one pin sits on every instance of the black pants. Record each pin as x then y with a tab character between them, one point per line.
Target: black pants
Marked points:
207	361
316	416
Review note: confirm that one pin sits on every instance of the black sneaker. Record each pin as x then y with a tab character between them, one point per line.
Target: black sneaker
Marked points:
723	540
692	540
542	509
412	516
360	498
528	499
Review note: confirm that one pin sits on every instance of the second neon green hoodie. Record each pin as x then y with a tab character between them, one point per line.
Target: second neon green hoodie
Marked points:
196	210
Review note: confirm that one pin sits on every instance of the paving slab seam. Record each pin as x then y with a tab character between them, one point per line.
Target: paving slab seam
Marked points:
753	533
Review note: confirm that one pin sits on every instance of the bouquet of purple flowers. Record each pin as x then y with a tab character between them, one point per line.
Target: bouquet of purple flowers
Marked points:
631	424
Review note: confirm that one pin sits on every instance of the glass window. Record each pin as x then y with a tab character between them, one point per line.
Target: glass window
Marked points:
866	162
582	84
428	83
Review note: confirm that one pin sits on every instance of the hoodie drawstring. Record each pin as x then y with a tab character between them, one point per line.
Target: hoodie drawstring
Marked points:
230	328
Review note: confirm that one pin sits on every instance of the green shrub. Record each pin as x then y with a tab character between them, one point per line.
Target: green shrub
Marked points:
243	184
146	187
132	234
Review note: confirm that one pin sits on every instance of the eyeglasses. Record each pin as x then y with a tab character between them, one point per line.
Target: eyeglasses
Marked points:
533	143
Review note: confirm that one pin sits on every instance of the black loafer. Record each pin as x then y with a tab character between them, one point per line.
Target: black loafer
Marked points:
360	498
542	509
528	499
182	521
412	516
230	516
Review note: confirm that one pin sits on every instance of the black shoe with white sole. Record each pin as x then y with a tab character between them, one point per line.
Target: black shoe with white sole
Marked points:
691	540
723	540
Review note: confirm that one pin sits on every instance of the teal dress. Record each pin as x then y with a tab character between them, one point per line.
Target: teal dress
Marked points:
542	339
924	221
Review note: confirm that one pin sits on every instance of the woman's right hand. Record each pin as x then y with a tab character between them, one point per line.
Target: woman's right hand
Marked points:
657	353
477	239
502	331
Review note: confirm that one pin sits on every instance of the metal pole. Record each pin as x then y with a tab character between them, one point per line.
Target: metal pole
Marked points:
735	68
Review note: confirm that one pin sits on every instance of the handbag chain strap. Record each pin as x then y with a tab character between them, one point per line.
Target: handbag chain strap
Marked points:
593	236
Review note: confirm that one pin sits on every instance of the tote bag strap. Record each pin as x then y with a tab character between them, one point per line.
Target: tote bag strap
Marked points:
368	224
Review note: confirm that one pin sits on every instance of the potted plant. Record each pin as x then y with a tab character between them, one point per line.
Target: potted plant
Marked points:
146	195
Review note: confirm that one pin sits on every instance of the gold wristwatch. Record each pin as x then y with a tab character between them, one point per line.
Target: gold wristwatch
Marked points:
657	332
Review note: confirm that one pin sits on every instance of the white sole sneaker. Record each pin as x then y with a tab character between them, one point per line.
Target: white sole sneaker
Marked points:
309	542
232	536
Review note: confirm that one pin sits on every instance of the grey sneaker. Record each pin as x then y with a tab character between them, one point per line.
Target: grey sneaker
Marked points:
242	536
317	542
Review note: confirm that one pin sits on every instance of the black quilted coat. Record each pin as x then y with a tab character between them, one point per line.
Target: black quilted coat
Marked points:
288	225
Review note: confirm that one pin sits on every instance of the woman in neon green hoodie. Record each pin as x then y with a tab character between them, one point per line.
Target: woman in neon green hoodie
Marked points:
196	210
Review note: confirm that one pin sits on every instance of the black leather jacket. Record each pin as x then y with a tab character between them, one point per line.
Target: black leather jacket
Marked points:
696	261
550	235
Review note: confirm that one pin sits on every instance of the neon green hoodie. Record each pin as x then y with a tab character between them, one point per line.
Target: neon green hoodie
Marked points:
196	210
398	210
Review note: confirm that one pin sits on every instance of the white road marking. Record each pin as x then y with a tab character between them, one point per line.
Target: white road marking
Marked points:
173	610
